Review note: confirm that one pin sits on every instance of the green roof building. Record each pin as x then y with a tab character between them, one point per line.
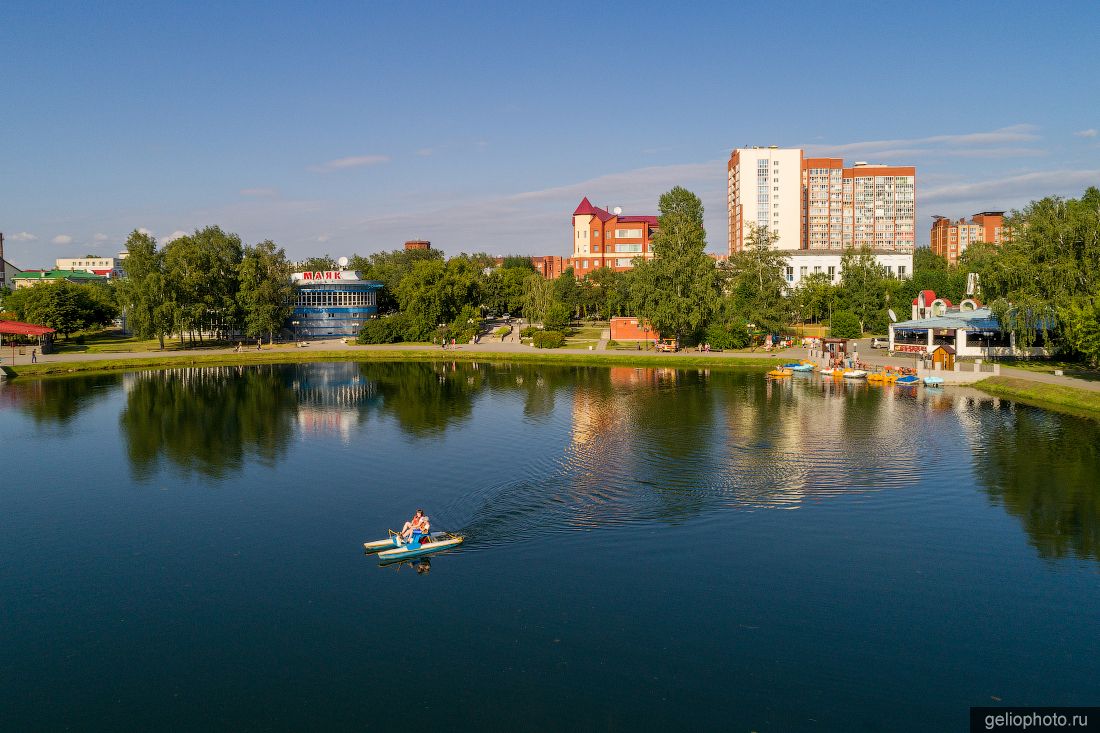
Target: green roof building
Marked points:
30	278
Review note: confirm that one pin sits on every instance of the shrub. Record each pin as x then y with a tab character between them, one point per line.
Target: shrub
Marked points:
549	339
844	325
528	331
733	335
388	330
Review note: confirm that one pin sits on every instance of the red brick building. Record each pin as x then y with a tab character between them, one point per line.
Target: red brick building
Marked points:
609	239
951	238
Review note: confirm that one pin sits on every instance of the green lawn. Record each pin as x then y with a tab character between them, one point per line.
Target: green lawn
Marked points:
1047	366
113	341
1048	396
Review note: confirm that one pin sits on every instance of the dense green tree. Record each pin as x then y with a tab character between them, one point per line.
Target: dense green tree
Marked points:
845	325
63	306
756	284
932	272
265	290
1049	268
203	271
557	317
568	292
815	297
678	289
607	292
144	293
505	288
390	268
538	296
863	288
1081	324
434	292
323	263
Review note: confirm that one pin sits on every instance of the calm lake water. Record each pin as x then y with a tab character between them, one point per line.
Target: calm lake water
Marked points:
648	549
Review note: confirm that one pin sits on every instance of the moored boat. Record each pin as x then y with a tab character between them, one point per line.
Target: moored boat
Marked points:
780	372
855	374
908	379
933	381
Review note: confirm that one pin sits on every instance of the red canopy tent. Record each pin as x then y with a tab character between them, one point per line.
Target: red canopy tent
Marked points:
18	328
23	329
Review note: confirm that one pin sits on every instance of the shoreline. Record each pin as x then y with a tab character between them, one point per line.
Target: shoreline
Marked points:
1020	386
1052	397
111	363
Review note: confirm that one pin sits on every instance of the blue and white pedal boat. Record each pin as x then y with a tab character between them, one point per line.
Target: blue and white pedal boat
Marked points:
394	548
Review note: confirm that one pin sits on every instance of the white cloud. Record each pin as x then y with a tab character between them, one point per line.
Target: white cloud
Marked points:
174	236
260	192
22	237
991	143
1091	132
355	161
62	239
100	238
146	232
1012	191
322	238
424	152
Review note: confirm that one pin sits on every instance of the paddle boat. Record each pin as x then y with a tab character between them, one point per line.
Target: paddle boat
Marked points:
855	374
882	378
799	366
908	379
780	372
394	548
933	381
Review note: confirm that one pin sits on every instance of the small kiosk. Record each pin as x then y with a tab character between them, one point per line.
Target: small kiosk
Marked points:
943	357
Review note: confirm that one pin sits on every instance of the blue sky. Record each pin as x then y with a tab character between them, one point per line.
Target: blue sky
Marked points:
349	127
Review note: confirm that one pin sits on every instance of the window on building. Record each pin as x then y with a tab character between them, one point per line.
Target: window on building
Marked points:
901	271
628	248
832	270
623	262
802	271
628	233
790	274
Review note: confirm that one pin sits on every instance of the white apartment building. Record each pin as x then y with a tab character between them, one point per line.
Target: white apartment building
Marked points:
765	189
107	266
828	207
807	262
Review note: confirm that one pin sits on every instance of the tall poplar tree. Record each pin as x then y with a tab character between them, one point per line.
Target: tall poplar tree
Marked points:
676	291
265	290
147	301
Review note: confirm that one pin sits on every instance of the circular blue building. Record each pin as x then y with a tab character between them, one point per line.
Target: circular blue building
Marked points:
332	304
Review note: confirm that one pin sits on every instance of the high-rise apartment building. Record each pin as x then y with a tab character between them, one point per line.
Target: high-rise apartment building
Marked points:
765	189
834	207
951	238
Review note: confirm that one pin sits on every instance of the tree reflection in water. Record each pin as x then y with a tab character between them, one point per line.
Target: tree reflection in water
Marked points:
58	400
207	420
1044	468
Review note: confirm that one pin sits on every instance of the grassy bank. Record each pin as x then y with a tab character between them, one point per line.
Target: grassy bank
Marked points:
296	357
1048	396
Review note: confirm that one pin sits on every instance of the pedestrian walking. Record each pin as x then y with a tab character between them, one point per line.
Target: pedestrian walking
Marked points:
34	356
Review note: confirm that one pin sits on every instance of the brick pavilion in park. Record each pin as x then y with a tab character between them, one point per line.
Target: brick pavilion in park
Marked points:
612	239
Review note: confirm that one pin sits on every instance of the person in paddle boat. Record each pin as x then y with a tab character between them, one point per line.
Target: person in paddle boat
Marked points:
418	522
